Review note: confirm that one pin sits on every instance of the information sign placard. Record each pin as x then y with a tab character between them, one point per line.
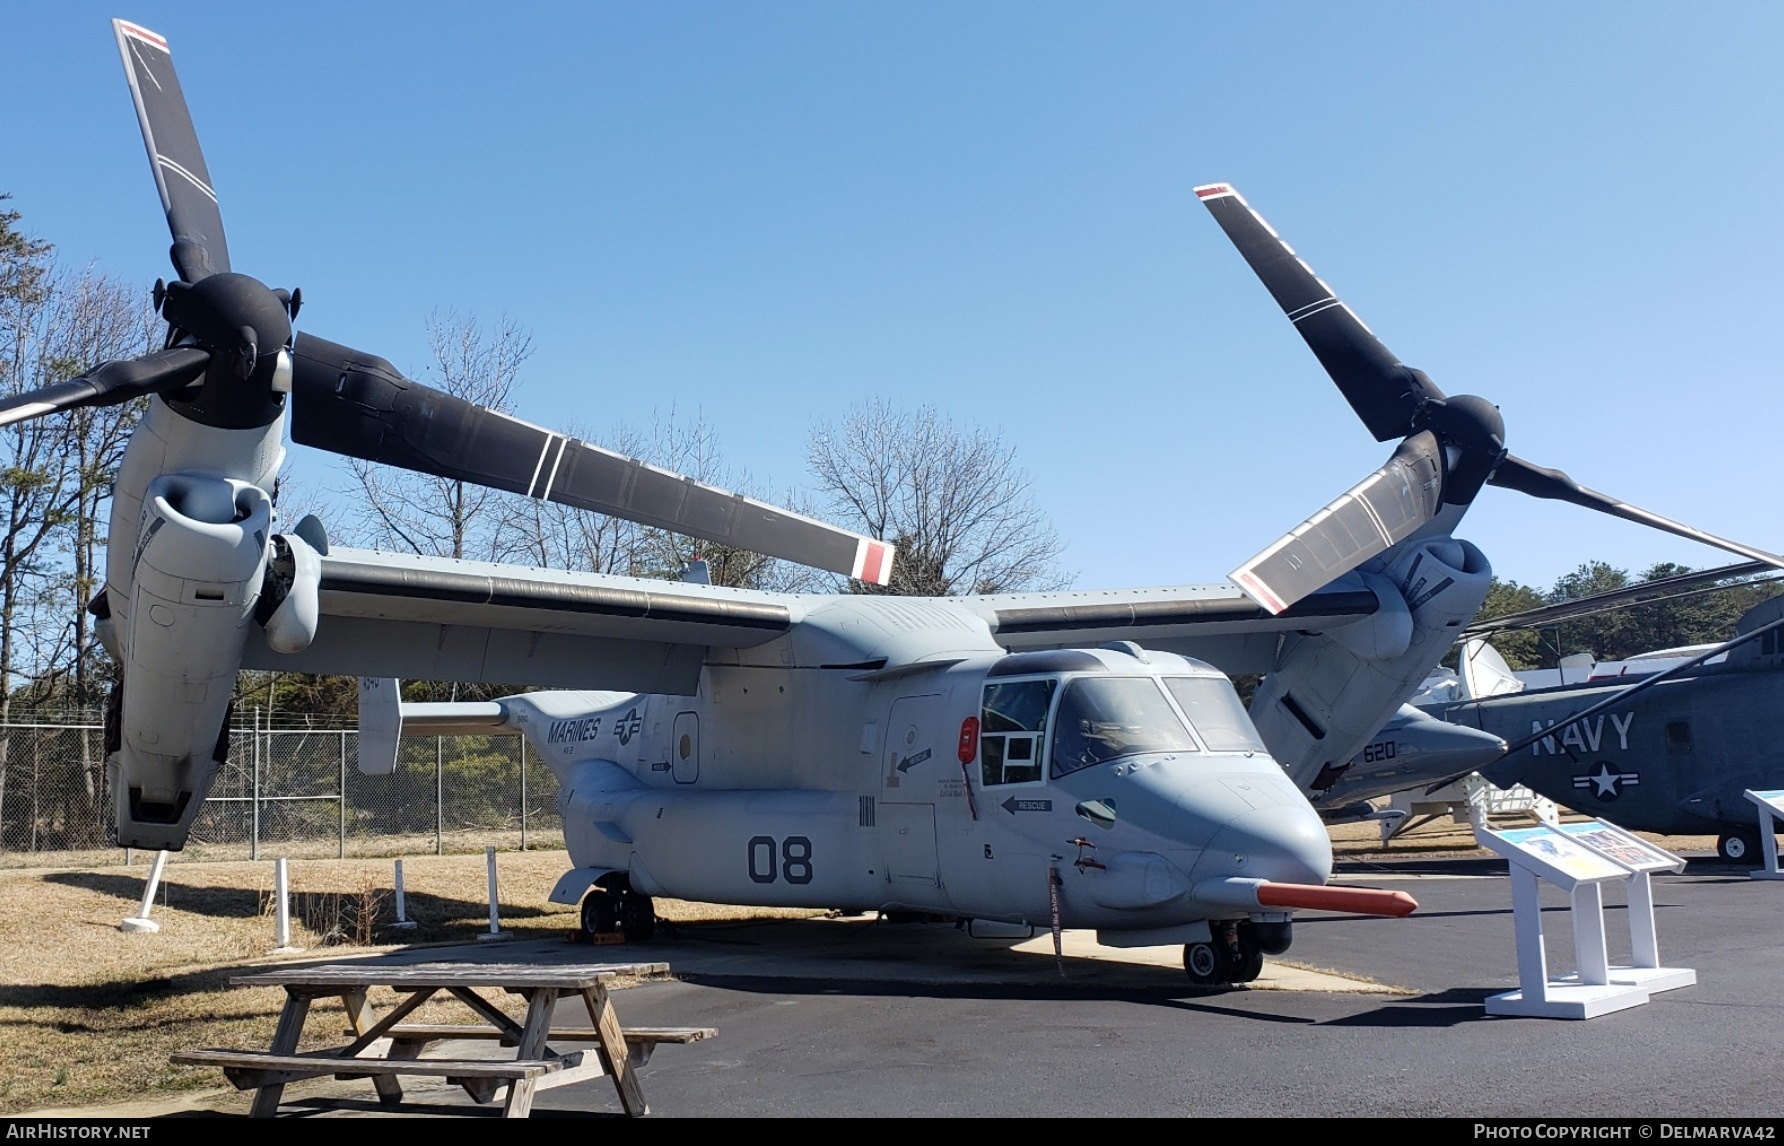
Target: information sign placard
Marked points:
1621	847
1566	862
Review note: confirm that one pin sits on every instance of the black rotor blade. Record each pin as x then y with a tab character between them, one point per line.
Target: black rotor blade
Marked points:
1384	393
1539	481
199	248
1382	510
357	404
1628	597
112	383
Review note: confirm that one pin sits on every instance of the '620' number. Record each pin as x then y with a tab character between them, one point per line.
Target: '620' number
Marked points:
794	864
1380	750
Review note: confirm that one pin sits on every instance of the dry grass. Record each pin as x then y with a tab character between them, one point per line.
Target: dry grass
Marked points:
1443	836
89	1015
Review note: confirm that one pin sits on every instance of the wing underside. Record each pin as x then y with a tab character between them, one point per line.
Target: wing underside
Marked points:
440	619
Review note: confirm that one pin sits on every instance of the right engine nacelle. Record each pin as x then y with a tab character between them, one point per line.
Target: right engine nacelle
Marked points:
1330	692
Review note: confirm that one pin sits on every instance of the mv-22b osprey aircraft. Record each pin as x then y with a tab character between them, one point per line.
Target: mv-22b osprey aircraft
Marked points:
1070	758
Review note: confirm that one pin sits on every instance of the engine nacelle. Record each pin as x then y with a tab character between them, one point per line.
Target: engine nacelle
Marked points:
1327	695
197	570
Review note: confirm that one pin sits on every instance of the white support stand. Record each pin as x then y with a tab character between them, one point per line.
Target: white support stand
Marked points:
495	934
1542	853
1644	968
1642	859
282	911
141	921
403	922
1771	809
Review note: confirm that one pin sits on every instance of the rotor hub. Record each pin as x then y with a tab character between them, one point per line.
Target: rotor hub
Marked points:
1474	432
246	326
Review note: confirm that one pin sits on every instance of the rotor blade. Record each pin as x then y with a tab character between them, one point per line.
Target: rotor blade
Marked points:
1538	481
1384	393
112	383
1382	510
357	404
199	248
1630	596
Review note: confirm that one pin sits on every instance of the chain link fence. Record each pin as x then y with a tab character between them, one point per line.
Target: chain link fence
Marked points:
291	791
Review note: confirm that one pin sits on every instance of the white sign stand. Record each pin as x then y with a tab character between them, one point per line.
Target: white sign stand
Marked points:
1544	853
1771	809
1642	859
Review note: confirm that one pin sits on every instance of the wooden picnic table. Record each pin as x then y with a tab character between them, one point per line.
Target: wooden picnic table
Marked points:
385	1048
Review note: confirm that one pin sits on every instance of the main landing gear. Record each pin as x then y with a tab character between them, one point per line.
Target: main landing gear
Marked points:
1739	847
1236	952
611	906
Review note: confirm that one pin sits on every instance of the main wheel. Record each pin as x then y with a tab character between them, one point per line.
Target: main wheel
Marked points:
600	912
637	916
1738	847
1209	964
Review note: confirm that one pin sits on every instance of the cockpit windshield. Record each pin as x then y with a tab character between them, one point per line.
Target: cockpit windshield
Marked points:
1102	718
1214	708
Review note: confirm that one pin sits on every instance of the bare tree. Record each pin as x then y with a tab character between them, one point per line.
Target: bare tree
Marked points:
952	498
55	480
442	517
34	473
91	319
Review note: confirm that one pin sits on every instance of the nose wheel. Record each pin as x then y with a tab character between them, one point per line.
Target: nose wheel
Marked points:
1230	956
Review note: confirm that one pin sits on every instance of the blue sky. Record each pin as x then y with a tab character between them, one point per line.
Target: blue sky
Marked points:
768	211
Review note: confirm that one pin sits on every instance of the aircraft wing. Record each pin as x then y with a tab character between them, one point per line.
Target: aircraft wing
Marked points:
1215	623
436	618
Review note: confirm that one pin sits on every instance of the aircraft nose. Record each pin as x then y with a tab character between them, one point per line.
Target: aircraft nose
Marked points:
1282	844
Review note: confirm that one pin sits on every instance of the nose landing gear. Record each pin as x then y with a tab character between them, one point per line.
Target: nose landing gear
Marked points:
1235	954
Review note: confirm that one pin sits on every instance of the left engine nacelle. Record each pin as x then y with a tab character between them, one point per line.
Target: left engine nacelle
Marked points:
200	559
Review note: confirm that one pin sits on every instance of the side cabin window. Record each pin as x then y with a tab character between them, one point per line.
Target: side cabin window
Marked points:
1012	730
1102	718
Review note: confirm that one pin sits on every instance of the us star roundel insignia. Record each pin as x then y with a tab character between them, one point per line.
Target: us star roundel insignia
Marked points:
1606	783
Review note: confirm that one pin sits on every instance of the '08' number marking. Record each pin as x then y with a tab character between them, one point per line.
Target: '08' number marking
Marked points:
794	859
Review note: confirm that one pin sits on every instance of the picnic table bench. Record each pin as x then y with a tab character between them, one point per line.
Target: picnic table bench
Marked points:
386	1048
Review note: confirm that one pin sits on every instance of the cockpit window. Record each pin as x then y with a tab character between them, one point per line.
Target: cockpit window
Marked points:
1012	730
1102	718
1214	708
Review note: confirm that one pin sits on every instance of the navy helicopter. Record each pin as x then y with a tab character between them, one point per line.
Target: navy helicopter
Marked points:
1666	743
1066	758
